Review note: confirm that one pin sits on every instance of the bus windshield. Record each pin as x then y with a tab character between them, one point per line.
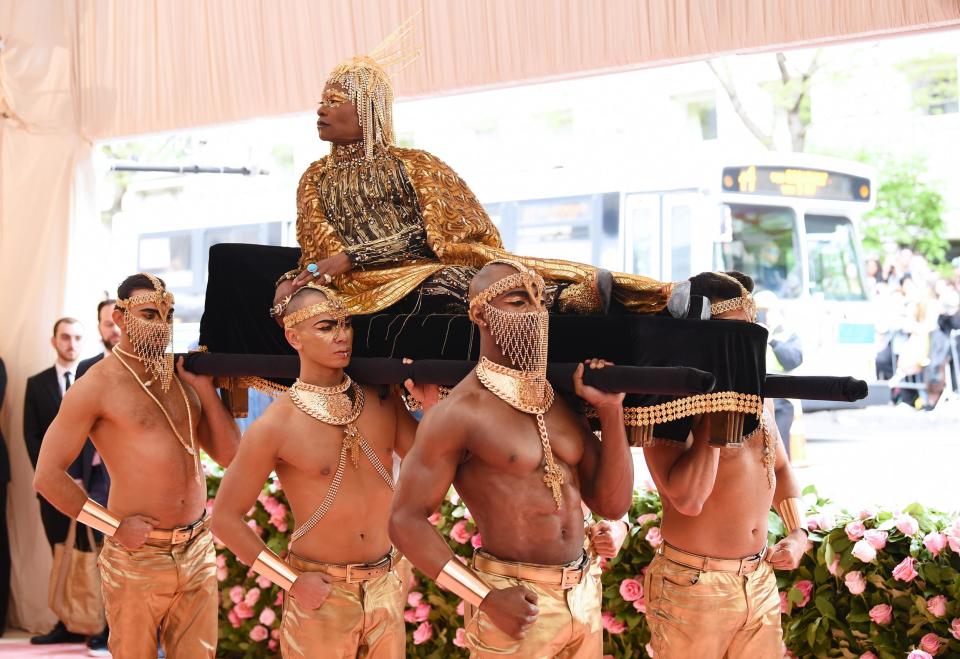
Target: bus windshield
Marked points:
833	259
764	244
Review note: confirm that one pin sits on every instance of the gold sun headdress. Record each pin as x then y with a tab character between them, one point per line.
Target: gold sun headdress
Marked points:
332	305
745	301
152	340
367	83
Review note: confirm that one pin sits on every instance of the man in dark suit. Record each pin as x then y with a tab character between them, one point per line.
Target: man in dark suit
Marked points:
44	392
4	537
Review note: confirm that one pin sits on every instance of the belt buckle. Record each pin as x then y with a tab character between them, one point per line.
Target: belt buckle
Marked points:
746	563
349	576
177	536
571	571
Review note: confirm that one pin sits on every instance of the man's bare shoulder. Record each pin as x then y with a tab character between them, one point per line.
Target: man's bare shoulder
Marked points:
105	378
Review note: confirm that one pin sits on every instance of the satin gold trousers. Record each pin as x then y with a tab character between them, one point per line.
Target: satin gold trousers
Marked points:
567	627
712	615
363	619
170	588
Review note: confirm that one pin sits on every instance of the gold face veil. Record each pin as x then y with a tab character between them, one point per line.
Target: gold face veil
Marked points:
152	340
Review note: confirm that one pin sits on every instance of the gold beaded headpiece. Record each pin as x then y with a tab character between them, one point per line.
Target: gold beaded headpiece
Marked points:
745	301
151	340
367	82
332	305
530	280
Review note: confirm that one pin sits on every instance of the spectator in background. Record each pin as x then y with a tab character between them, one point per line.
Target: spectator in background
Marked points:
45	390
4	537
784	354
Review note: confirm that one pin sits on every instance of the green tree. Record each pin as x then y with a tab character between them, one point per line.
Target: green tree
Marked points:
909	208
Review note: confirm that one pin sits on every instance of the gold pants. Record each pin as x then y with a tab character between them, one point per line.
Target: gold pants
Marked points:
361	619
165	587
568	625
710	615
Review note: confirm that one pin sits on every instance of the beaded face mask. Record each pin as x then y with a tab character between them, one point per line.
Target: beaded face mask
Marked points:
152	340
332	305
522	336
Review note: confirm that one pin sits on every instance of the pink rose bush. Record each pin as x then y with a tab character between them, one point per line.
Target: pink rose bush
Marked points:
877	586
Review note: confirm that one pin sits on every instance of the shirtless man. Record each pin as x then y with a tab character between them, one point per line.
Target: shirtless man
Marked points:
711	590
331	443
157	566
522	466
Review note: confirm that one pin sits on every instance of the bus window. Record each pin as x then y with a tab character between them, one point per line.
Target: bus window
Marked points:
642	234
681	240
764	244
834	269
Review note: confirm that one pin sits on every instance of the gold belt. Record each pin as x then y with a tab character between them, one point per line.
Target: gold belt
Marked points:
181	534
355	572
565	576
741	566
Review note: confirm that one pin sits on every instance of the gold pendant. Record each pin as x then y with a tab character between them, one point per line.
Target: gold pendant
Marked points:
351	440
554	479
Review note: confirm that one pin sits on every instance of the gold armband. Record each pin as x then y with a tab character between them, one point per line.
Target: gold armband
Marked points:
461	580
275	569
789	510
97	517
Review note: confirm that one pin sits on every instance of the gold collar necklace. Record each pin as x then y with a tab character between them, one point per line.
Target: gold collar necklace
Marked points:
529	393
191	446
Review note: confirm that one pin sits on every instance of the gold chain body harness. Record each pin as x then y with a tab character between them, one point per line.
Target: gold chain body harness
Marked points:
519	390
332	405
191	446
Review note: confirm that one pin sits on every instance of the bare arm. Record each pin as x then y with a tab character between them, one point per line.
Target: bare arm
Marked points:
241	485
426	474
62	444
217	432
787	485
787	553
686	476
406	426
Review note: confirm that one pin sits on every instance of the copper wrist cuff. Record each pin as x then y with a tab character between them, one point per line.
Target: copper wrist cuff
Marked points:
789	510
97	517
461	580
275	569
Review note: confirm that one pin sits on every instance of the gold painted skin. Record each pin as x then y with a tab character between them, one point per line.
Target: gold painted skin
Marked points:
709	615
405	217
165	587
567	627
362	619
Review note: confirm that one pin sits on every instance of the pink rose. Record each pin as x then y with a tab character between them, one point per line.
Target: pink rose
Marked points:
907	525
459	532
460	639
935	542
877	539
221	560
268	616
640	605
611	624
855	530
233	619
263	582
821	521
269	503
806	588
955	628
833	567
422	634
243	610
653	536
435	518
856	584
275	633
414	598
937	606
882	614
272	644
867	513
784	603
904	571
279	600
476	541
868	655
460	611
930	643
410	616
631	590
646	517
421	612
252	523
259	633
236	594
252	597
864	551
222	574
919	654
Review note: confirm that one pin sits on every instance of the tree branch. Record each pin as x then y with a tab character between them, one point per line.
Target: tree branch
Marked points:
765	138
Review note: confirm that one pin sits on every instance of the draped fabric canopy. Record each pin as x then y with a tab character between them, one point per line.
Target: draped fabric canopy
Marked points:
75	72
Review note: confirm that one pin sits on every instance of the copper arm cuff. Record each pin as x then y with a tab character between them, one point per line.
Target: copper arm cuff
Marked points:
275	569
789	510
97	517
461	580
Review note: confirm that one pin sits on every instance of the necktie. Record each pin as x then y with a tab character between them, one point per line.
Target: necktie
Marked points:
66	380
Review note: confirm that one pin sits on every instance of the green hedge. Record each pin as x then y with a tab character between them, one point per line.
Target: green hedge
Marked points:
874	581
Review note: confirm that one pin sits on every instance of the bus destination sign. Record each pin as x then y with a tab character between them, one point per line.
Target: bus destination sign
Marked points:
796	182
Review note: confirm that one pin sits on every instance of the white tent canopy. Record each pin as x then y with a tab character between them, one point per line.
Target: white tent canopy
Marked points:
75	72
